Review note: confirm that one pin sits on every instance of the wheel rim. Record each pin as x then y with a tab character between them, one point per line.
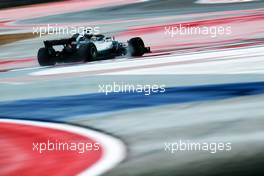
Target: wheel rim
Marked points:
93	52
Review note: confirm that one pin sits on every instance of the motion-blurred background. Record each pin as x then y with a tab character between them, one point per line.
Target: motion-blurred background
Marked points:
214	85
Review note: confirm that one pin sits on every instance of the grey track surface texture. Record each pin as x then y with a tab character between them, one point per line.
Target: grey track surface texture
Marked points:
155	8
145	131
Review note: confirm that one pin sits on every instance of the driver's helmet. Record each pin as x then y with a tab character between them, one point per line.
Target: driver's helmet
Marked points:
87	32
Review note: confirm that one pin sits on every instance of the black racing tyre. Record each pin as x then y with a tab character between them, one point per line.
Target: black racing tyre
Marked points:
88	52
136	46
45	58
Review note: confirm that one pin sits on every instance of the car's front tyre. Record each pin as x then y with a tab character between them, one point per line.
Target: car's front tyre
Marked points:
136	46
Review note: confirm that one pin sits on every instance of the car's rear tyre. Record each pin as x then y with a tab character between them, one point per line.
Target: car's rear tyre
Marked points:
45	58
136	46
88	52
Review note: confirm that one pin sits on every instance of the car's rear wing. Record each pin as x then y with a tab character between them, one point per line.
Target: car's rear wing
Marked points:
50	43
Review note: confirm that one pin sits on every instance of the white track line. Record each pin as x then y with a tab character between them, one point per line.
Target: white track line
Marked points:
114	150
198	63
12	83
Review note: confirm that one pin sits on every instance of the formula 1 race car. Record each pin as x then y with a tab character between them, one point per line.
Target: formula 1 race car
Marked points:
88	47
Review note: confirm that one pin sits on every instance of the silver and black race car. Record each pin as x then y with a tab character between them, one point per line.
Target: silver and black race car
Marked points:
88	47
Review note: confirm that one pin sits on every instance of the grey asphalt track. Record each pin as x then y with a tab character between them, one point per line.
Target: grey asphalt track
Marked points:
154	8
